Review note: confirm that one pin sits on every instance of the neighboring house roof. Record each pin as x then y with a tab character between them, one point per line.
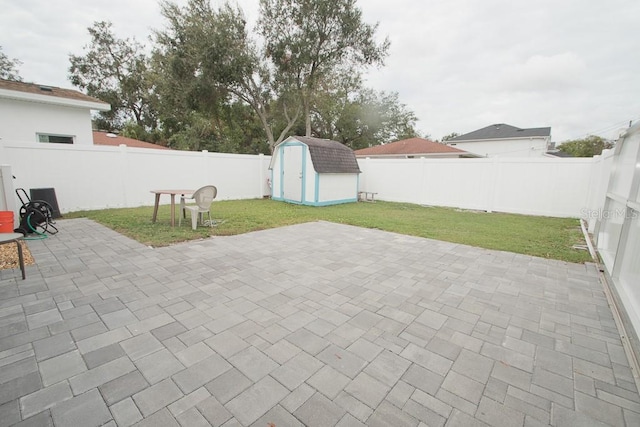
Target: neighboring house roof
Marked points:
104	138
501	131
329	156
409	147
49	95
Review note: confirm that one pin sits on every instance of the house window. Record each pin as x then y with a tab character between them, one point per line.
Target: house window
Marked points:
55	139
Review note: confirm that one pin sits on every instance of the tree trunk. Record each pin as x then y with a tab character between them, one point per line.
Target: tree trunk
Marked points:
307	115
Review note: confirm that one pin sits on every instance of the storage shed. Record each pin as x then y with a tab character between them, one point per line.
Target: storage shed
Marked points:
313	171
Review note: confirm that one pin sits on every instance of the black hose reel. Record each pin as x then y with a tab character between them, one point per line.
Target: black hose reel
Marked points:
36	216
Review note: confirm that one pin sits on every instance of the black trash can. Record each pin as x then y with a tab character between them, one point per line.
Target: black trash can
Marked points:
47	195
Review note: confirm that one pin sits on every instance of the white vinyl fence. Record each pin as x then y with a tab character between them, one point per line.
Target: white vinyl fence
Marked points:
556	187
95	177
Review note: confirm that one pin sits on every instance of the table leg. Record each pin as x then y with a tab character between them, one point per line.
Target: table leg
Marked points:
155	208
21	259
173	210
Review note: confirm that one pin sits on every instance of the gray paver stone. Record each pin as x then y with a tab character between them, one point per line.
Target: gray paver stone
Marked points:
45	398
201	373
140	346
367	389
189	401
257	400
297	370
342	360
162	418
9	413
87	409
226	343
192	418
387	367
101	375
213	411
328	381
319	411
228	385
43	419
125	413
278	416
253	363
158	366
103	355
388	415
54	346
122	387
157	397
61	367
498	415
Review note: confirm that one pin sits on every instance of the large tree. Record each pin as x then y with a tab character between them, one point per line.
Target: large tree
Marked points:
359	117
585	147
9	67
115	71
205	58
308	40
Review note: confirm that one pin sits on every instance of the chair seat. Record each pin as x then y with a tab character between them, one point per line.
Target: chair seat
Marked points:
203	197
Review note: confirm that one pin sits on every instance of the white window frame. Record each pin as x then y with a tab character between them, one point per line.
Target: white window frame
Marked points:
44	138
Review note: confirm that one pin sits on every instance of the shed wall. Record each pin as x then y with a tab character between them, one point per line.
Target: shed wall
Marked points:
337	187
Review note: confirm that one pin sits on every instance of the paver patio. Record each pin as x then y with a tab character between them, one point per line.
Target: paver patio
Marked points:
316	324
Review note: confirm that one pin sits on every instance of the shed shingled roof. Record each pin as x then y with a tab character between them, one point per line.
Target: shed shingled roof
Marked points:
501	131
330	156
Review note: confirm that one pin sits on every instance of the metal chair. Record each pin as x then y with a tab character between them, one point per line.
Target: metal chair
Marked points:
203	197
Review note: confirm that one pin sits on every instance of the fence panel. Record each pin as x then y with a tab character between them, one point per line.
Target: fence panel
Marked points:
551	187
93	177
96	177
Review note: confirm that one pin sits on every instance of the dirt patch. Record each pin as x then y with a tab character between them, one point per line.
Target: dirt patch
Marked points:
9	256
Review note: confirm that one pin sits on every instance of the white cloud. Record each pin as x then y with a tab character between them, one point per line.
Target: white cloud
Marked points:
540	73
459	65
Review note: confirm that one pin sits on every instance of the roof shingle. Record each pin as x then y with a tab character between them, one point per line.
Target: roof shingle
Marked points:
501	131
411	146
38	89
330	156
104	138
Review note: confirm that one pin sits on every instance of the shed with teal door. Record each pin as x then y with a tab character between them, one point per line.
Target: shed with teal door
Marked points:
313	171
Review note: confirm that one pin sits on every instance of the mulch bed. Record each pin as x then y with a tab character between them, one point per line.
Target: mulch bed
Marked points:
9	256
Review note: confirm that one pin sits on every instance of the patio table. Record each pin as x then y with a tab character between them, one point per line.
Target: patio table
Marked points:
6	238
172	193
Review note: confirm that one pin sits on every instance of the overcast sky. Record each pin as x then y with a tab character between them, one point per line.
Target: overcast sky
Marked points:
460	65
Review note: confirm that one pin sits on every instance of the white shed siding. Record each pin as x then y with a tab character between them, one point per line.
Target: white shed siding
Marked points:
337	187
22	121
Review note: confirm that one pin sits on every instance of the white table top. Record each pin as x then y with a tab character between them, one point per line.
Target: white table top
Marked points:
7	237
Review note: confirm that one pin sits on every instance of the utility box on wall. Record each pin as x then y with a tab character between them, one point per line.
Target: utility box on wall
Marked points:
313	171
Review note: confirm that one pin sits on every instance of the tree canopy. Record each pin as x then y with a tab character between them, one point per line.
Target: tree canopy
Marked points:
308	40
9	67
450	136
115	71
586	147
211	82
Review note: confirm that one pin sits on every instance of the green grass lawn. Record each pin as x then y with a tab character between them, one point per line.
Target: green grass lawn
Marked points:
532	235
